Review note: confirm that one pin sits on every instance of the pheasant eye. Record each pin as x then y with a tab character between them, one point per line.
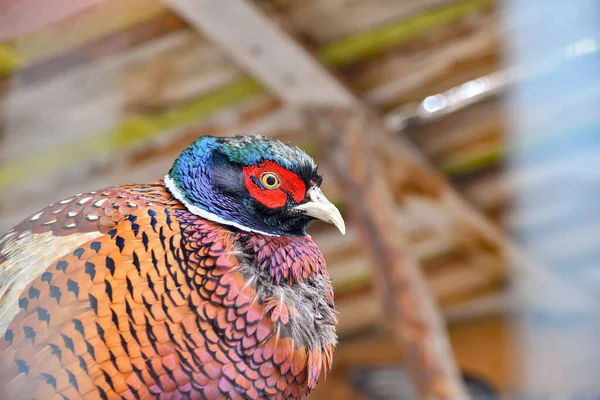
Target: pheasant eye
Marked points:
270	180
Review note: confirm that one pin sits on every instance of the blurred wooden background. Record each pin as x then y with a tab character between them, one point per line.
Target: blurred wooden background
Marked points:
110	92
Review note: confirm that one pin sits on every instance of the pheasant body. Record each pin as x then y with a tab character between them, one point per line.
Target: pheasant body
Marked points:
126	293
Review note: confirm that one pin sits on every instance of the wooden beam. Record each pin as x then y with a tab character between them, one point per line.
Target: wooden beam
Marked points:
332	20
376	39
97	98
69	36
166	56
266	51
277	60
410	309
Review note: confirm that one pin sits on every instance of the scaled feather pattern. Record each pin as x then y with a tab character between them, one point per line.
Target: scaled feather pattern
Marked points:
127	293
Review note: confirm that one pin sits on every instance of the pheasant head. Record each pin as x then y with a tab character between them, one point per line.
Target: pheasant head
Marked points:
252	183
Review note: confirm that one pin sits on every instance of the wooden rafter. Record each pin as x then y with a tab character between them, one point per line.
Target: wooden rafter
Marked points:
411	312
258	45
40	76
280	63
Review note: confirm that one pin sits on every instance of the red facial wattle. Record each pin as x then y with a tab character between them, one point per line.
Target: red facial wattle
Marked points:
290	184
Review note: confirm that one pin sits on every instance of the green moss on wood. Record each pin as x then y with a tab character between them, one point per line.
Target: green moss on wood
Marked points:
132	132
364	45
136	130
474	161
9	60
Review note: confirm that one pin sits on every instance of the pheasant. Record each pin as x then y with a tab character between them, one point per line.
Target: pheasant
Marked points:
201	285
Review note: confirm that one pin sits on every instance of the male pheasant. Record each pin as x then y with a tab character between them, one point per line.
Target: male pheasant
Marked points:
201	285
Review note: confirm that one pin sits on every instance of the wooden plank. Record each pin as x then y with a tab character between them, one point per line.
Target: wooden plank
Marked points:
257	43
423	183
67	37
480	122
326	21
122	157
432	63
50	159
135	131
493	190
410	311
47	65
96	98
35	30
380	39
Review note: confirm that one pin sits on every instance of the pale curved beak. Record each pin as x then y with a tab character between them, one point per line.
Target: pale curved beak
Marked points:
320	208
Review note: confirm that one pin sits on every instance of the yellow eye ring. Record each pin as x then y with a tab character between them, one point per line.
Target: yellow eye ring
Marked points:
270	180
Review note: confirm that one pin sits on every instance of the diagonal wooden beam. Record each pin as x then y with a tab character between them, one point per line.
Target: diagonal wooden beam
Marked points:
281	63
256	43
37	74
411	312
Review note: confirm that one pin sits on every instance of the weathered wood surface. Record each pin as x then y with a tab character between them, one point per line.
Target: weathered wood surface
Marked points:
416	179
447	56
256	43
46	63
41	28
97	97
131	164
410	311
41	35
325	21
149	79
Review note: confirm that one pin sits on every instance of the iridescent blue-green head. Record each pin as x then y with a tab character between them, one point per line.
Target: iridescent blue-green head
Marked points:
252	183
